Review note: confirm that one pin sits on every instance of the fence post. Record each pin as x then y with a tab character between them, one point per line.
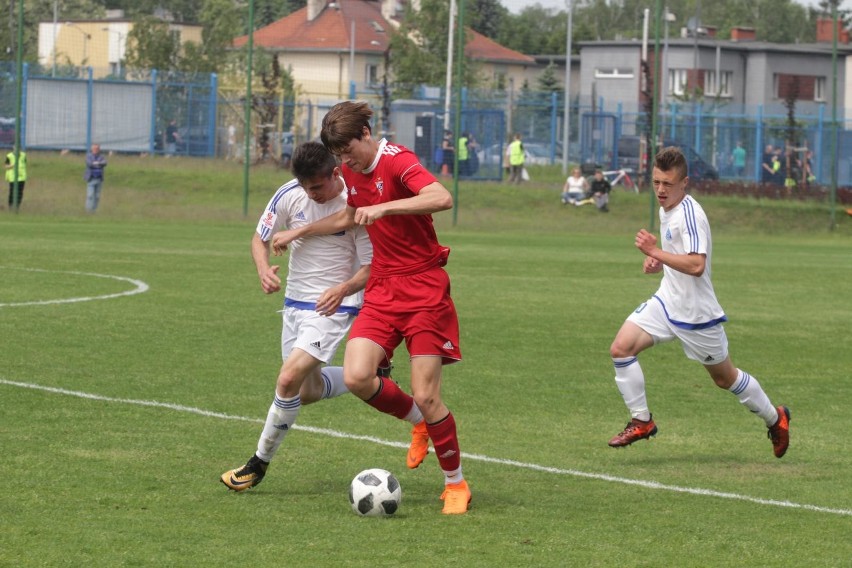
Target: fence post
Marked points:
818	145
25	72
152	137
211	115
90	90
758	144
673	127
553	127
352	96
699	113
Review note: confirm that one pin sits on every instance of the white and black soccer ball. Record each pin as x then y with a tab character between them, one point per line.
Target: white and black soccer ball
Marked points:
375	493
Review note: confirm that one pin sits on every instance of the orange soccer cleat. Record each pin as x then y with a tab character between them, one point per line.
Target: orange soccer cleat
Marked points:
456	497
419	445
779	432
635	430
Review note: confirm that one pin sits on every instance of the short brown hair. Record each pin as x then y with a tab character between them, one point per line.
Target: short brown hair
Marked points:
345	122
671	158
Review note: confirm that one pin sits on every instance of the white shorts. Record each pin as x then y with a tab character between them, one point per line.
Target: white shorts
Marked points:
318	336
707	346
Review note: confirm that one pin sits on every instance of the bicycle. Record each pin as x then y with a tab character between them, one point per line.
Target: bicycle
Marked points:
622	177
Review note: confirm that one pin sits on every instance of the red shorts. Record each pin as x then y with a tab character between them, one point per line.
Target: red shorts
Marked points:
417	308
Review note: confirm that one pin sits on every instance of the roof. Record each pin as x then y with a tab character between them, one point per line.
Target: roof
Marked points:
751	46
331	30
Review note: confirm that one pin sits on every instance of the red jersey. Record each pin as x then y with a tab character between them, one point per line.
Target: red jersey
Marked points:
402	244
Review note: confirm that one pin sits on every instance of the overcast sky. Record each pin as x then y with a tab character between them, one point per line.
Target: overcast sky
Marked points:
518	5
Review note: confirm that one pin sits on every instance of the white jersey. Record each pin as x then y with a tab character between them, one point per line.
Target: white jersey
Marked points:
689	301
319	262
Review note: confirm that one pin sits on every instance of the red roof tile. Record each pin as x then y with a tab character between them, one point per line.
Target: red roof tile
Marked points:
331	29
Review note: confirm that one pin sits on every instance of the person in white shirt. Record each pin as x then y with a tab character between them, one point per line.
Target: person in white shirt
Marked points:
684	308
326	276
575	189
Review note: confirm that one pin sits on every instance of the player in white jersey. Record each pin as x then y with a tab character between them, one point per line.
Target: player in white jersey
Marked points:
325	281
683	308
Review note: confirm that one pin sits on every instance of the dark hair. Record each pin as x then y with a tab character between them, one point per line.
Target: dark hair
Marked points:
311	160
345	122
671	158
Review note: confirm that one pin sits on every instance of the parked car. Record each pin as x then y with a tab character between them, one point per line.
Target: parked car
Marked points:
7	131
630	155
536	154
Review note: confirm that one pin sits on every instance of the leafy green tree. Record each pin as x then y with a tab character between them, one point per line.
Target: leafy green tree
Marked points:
485	16
151	45
536	30
36	11
418	49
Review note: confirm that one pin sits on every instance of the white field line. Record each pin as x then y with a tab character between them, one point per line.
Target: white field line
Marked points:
513	463
139	288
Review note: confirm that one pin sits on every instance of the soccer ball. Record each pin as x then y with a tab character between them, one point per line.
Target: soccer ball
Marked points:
375	493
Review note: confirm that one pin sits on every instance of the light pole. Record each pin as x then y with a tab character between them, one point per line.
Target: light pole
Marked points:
86	37
120	47
566	119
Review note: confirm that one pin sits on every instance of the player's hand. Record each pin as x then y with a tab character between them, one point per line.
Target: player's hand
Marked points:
269	280
330	300
646	242
368	215
651	265
280	241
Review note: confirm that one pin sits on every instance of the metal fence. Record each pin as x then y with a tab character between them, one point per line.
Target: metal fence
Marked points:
132	114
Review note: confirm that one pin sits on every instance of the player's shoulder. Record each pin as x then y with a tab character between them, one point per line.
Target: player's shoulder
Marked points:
288	192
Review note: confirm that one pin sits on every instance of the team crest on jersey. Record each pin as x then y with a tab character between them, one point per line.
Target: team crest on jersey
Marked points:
268	220
380	185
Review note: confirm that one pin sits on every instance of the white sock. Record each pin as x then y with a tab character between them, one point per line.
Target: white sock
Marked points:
631	384
332	379
281	417
414	415
749	392
454	476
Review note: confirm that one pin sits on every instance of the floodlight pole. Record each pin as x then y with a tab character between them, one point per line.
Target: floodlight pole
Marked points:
566	119
449	82
247	126
458	89
834	25
19	70
655	100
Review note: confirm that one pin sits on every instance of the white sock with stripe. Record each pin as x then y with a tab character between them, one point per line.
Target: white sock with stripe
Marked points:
749	392
630	381
281	417
332	382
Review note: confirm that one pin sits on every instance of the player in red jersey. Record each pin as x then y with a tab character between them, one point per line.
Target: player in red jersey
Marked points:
408	293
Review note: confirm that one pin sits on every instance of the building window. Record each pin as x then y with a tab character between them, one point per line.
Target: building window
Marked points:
819	89
799	87
372	74
677	81
614	73
720	89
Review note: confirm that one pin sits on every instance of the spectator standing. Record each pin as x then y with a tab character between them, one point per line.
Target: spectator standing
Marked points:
232	142
172	138
515	155
767	173
448	153
738	159
16	181
94	177
463	146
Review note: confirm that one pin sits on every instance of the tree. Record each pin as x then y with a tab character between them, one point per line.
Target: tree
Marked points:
536	30
547	81
151	45
485	16
418	49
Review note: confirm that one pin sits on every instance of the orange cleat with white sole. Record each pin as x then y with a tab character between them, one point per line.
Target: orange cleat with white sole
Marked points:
456	497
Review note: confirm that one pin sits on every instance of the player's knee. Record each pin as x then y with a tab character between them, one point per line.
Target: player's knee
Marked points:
619	349
288	383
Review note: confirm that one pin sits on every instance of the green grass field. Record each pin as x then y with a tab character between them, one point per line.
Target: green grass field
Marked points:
117	415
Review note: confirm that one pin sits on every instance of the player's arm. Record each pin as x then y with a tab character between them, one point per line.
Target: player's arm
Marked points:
691	264
331	299
340	221
432	198
268	274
